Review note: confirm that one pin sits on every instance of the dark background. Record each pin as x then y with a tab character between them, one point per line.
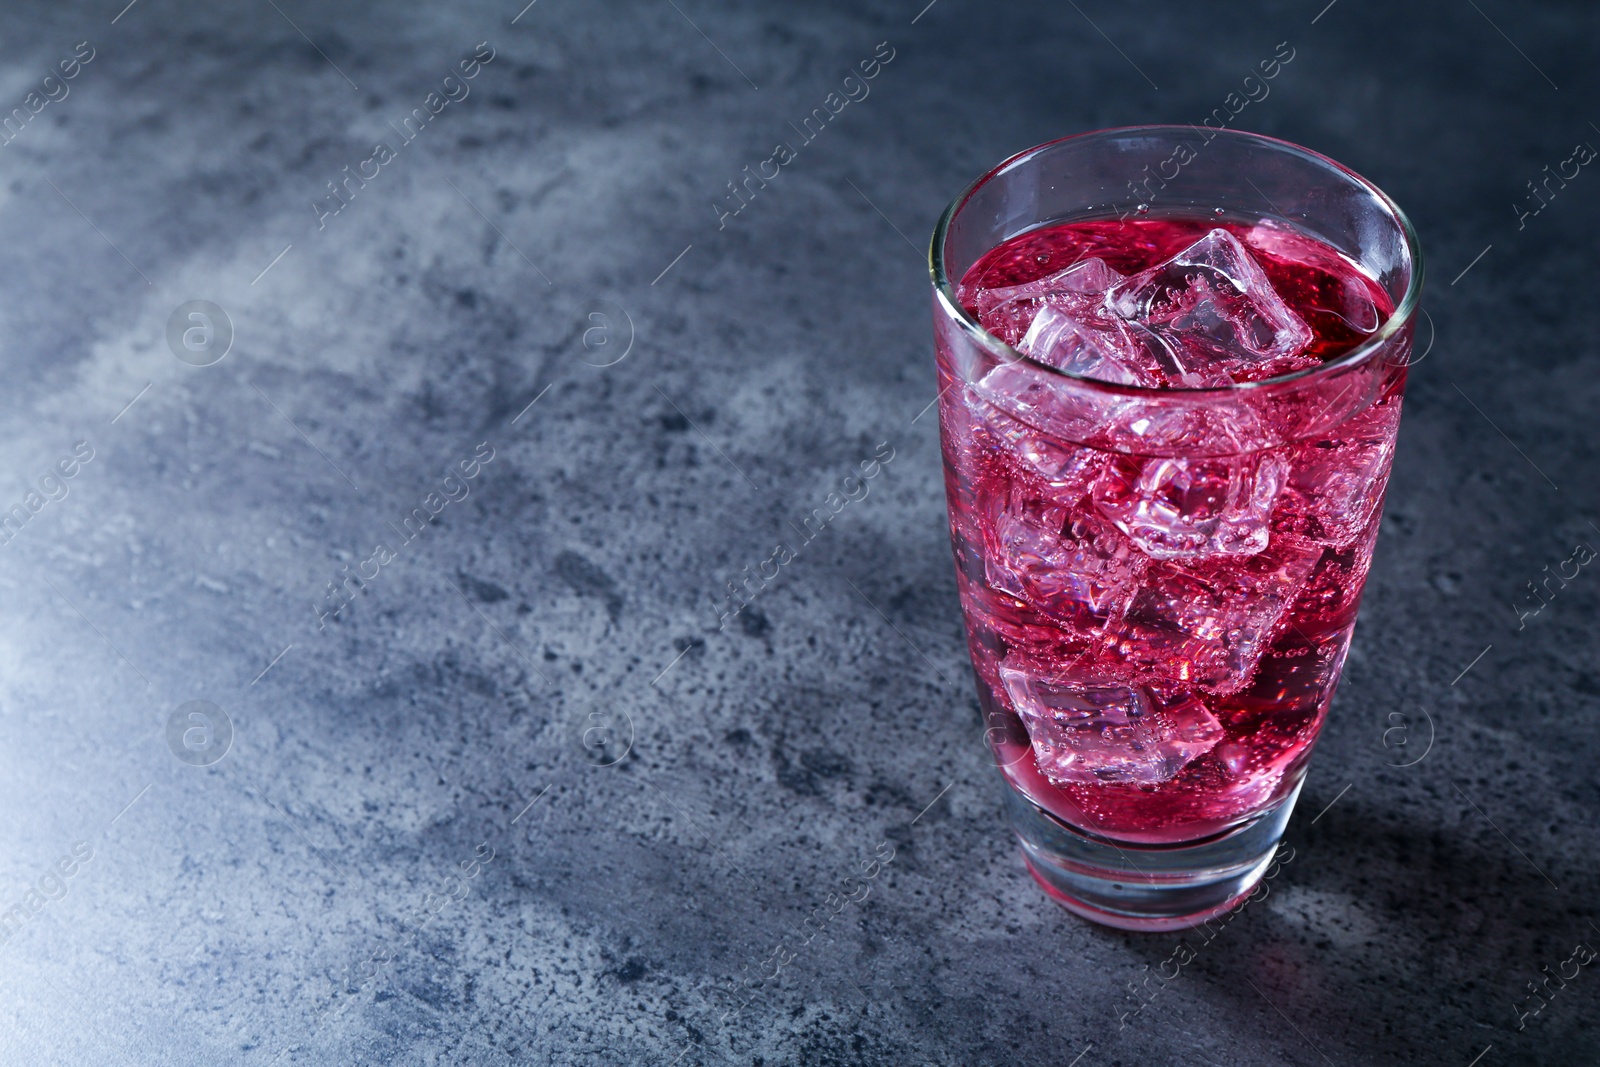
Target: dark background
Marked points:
553	637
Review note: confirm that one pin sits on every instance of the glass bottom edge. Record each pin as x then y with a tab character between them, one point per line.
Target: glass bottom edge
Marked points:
1141	888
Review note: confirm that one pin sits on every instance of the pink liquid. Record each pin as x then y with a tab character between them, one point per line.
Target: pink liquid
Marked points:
1150	674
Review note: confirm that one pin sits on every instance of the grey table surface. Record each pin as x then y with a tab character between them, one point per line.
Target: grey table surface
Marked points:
522	799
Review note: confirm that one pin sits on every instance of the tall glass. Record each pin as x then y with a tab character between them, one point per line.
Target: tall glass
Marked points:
1152	693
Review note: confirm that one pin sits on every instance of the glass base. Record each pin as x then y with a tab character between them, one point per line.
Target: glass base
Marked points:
1143	887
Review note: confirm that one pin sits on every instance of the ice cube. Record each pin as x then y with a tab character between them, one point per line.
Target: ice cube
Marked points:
1350	302
1215	307
1194	430
1008	311
1025	539
1085	277
1175	507
1206	622
1091	735
1093	346
1060	464
1047	402
1336	485
1083	574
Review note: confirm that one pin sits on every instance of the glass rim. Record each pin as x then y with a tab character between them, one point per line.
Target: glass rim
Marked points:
1404	310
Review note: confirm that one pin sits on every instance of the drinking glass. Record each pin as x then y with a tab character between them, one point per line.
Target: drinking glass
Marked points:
1153	708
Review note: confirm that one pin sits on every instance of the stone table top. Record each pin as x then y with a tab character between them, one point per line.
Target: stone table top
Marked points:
451	307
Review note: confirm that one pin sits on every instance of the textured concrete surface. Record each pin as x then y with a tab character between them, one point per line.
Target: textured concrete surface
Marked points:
522	800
